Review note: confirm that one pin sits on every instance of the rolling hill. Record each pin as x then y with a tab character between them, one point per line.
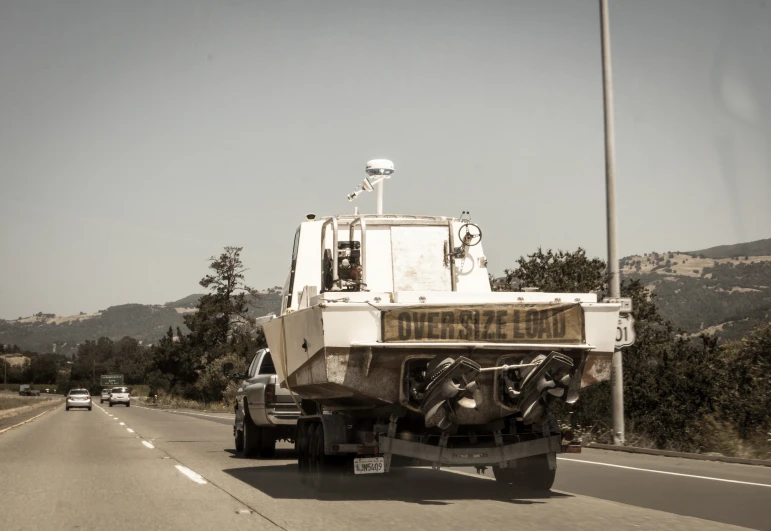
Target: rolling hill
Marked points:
144	322
724	290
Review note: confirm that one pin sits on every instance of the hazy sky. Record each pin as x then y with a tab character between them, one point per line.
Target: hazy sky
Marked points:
138	138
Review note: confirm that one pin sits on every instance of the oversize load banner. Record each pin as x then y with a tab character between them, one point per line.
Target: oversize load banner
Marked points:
508	323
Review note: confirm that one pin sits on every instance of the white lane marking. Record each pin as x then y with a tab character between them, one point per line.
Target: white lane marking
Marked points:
129	430
28	420
668	473
122	423
148	444
192	475
217	416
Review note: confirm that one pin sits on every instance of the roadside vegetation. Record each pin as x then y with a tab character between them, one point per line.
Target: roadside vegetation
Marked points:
183	368
692	394
13	402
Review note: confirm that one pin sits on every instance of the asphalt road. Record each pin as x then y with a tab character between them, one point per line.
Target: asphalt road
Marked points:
143	468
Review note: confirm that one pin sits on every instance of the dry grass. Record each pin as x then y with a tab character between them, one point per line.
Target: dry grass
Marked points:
13	402
175	402
15	360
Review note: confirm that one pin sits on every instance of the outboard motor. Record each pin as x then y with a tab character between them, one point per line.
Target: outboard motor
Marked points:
449	384
531	387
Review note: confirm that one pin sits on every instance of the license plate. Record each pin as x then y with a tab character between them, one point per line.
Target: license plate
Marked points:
369	465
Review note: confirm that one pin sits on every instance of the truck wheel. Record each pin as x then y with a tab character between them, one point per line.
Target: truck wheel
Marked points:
239	441
110	404
531	473
316	468
267	443
251	435
302	448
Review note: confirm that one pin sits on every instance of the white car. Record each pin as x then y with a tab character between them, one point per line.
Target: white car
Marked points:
78	398
105	396
120	395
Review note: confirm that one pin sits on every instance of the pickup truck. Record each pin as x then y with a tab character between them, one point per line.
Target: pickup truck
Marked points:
265	413
26	390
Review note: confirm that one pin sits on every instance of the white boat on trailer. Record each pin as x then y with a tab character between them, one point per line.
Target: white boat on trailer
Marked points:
391	334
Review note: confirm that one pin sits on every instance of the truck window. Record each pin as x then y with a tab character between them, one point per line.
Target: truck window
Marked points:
253	366
267	366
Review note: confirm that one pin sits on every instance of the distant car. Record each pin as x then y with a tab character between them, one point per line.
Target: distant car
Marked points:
105	396
78	398
120	395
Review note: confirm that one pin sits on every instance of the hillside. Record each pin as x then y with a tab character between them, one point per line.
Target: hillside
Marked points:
756	248
146	323
722	290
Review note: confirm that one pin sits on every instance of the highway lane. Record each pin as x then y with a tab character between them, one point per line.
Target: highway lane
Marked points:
722	492
414	498
86	469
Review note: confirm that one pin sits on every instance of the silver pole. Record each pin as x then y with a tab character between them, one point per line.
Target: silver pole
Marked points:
380	197
616	367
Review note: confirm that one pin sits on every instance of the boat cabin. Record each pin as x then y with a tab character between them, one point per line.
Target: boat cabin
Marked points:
384	255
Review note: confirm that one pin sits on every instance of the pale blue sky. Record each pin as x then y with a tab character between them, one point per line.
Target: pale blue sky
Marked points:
139	138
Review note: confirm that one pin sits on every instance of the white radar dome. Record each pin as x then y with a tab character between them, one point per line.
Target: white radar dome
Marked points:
380	167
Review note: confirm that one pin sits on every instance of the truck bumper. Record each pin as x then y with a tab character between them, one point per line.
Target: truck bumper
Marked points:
282	418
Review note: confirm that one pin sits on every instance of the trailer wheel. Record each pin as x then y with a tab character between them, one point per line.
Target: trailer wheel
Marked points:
316	455
531	473
251	435
301	447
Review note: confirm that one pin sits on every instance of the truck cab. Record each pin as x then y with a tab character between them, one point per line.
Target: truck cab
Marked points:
265	413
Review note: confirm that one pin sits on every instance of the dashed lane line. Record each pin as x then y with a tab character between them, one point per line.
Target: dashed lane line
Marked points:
192	475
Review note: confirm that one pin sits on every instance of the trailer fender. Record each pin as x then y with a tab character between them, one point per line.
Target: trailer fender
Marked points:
335	431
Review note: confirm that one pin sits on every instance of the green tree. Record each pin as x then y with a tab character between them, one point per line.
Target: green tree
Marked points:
222	310
668	380
558	272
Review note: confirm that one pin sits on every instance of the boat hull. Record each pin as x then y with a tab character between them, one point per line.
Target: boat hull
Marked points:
335	354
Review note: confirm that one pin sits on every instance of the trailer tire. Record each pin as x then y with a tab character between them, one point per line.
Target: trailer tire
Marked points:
301	446
316	455
531	473
251	435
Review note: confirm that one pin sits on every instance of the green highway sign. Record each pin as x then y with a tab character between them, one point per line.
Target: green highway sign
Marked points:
111	379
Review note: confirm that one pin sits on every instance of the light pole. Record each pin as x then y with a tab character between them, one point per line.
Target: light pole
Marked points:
614	282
